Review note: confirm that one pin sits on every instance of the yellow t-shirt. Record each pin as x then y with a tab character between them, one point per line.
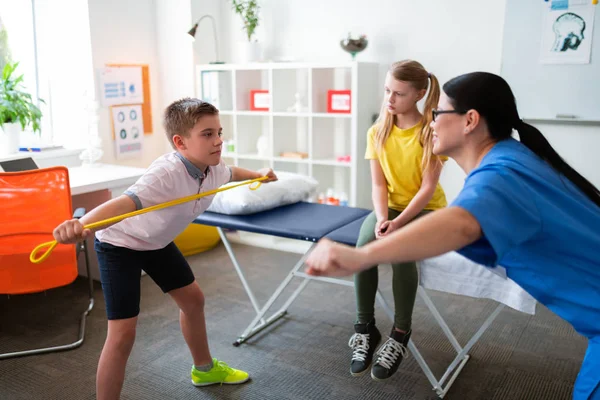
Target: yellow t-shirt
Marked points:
400	160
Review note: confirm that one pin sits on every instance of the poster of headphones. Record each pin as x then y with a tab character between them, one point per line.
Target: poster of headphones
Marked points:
568	29
128	129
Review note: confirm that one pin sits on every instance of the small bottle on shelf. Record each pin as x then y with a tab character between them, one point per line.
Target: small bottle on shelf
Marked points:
332	198
343	199
321	198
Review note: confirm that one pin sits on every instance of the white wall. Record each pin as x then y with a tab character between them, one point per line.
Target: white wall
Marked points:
124	32
174	50
448	37
204	45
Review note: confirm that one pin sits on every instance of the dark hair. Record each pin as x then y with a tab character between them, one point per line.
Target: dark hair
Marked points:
492	98
181	116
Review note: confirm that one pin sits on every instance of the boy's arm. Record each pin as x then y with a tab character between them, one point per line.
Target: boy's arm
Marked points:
242	174
72	231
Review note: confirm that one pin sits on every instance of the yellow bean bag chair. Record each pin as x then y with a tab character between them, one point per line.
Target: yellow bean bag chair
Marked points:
197	238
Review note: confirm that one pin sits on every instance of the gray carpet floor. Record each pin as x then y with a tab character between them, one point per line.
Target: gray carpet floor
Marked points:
303	356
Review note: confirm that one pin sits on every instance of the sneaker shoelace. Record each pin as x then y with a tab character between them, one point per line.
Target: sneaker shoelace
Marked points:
221	365
389	352
360	345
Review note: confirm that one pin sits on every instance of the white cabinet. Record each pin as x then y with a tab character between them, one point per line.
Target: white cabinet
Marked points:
330	146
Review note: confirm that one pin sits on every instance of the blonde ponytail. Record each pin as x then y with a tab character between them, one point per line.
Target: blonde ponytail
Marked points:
426	134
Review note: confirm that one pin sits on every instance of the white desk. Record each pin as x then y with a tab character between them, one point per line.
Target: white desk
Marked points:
96	177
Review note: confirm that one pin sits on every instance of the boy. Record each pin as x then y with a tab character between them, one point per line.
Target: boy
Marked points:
146	242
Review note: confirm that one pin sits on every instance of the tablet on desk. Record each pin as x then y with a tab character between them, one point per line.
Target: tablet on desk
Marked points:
21	164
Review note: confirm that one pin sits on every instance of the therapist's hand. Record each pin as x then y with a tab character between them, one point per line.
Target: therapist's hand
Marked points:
268	172
334	259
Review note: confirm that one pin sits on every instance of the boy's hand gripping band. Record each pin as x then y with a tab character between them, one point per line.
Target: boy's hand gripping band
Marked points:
51	245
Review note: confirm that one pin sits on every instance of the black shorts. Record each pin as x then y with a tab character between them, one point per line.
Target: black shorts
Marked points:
120	272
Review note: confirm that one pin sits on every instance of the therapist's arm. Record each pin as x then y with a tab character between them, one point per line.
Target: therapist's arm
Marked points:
432	235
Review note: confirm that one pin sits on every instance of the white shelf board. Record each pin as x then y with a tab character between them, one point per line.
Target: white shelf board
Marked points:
285	114
331	162
253	157
277	65
292	160
331	115
253	113
291	114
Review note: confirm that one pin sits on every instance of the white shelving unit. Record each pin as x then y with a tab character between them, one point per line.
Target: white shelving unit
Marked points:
309	128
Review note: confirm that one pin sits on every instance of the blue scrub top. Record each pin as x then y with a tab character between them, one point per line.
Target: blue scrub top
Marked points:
541	228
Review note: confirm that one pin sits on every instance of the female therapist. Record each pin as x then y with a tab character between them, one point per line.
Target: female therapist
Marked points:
522	207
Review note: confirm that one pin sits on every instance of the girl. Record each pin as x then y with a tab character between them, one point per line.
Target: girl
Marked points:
522	207
405	186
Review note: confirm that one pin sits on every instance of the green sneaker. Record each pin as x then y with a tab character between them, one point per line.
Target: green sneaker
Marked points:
220	373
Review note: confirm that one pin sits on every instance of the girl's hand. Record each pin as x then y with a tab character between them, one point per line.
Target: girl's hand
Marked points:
387	227
378	226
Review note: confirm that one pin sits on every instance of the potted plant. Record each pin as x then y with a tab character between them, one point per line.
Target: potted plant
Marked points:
17	108
248	12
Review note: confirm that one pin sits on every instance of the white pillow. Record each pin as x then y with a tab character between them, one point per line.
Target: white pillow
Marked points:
288	189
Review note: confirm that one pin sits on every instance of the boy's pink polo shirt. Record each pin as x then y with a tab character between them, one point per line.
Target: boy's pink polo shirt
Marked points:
170	177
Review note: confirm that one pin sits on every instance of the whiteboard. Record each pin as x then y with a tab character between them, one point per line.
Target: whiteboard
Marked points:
547	91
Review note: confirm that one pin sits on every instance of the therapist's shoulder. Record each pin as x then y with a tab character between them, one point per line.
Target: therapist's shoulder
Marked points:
506	158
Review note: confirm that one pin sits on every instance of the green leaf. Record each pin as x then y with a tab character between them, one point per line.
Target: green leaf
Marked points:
248	11
17	105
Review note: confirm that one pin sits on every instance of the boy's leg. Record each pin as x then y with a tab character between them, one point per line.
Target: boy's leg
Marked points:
116	351
170	270
120	277
190	300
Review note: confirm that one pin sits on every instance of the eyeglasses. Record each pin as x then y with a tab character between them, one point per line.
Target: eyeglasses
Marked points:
436	112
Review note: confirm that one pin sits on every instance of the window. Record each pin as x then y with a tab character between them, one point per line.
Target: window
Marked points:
54	51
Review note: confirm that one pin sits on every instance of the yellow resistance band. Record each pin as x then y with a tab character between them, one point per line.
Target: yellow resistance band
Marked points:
51	245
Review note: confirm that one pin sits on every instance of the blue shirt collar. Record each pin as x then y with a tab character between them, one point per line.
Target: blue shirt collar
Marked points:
194	171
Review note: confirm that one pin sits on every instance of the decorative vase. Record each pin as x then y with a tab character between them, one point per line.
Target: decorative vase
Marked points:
93	151
354	46
262	145
252	52
9	138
